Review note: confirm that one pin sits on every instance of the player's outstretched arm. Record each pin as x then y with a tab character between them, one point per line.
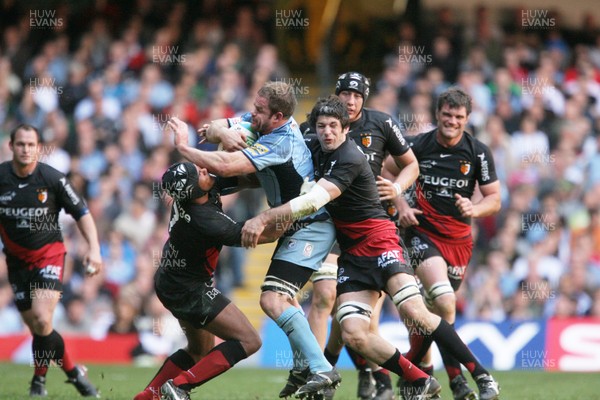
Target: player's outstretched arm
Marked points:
318	196
92	258
218	162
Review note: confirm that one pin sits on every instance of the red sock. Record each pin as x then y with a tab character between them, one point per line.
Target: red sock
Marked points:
221	358
212	365
419	344
66	363
173	366
39	370
401	366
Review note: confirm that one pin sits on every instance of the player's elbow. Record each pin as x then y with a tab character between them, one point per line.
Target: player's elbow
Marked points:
496	204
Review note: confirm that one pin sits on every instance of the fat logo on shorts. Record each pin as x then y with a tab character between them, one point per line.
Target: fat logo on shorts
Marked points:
456	271
51	271
388	257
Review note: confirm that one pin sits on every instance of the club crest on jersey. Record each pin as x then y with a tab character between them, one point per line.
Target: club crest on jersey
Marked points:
365	139
308	249
42	195
465	167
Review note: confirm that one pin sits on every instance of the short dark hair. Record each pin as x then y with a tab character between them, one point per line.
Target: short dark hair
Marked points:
330	106
455	97
25	127
280	97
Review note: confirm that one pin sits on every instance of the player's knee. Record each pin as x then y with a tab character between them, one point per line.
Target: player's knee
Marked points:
355	337
252	343
446	307
414	310
41	324
408	301
324	297
273	303
354	318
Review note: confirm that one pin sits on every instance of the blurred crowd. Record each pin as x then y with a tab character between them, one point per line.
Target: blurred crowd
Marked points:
101	80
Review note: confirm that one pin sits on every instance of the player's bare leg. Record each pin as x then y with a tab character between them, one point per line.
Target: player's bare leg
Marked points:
240	341
323	300
277	302
441	299
48	345
354	314
407	298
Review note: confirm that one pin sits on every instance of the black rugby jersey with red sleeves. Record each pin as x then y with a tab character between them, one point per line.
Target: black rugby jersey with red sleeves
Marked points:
29	209
357	212
197	233
445	172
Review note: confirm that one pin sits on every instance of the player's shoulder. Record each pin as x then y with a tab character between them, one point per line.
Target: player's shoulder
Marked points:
5	167
478	144
349	152
306	129
376	115
421	138
380	119
49	172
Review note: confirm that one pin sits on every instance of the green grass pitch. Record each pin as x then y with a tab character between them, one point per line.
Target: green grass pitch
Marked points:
123	382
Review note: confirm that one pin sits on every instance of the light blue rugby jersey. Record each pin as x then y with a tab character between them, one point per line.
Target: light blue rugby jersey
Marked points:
282	161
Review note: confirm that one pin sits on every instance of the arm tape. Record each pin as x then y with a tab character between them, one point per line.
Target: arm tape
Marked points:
310	202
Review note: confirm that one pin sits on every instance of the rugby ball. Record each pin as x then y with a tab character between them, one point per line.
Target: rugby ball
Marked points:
244	128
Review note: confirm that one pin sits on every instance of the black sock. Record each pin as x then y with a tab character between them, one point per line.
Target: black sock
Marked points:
451	364
359	362
330	357
46	349
445	336
383	376
182	362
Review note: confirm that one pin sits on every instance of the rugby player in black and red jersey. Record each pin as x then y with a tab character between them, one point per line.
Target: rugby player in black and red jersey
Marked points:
198	229
378	135
371	258
438	227
31	196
